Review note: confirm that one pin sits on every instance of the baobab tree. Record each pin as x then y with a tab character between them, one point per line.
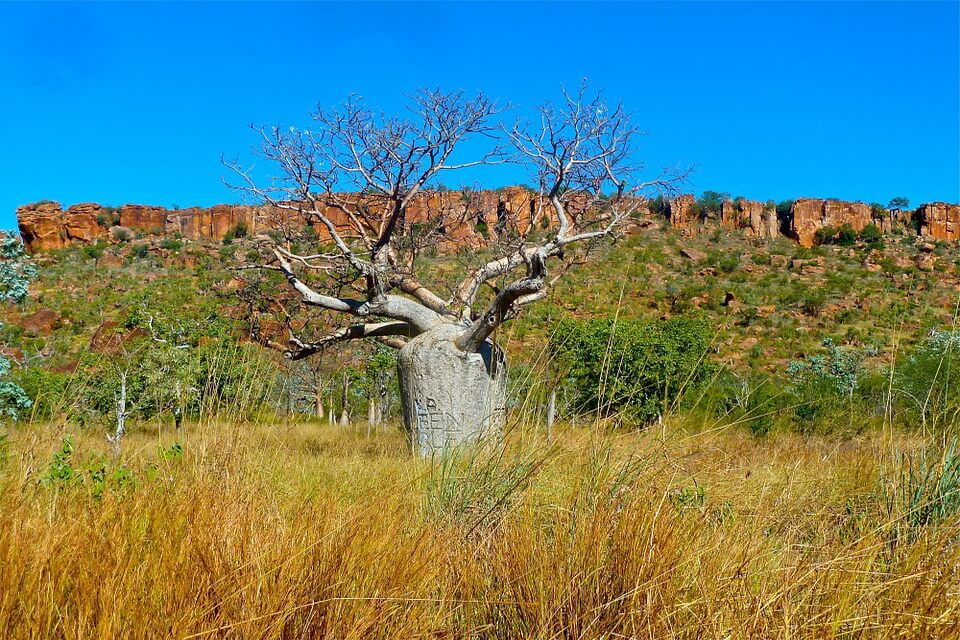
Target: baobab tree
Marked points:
355	175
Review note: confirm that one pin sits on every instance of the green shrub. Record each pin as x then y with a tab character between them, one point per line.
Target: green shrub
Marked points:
235	232
871	234
140	251
171	244
846	236
633	369
927	381
825	235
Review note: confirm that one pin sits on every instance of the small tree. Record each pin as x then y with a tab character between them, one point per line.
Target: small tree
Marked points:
365	170
899	203
16	272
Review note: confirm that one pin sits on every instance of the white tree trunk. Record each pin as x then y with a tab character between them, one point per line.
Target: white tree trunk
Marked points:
372	414
551	412
121	414
450	397
318	400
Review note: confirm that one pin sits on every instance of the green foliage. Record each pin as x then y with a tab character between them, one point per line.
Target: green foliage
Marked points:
121	234
94	250
783	209
16	272
899	202
140	251
826	384
927	381
171	244
235	232
825	235
712	201
922	491
633	369
94	474
871	234
846	236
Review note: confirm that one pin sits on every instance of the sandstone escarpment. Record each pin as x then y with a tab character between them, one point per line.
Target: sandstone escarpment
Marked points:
751	217
465	219
939	221
682	211
809	215
45	225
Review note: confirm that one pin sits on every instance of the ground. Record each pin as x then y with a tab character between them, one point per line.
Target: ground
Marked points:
310	530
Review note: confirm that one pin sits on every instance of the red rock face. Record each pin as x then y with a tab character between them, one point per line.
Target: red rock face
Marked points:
145	218
751	217
811	214
41	226
681	211
467	218
80	223
939	221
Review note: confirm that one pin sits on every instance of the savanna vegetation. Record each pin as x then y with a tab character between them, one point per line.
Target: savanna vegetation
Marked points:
739	449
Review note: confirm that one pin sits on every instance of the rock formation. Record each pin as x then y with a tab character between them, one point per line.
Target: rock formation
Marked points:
939	221
44	225
681	211
465	218
808	215
751	217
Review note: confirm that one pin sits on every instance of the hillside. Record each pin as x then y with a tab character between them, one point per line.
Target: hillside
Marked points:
767	302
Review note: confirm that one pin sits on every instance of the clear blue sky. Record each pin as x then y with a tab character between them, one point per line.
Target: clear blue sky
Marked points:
120	103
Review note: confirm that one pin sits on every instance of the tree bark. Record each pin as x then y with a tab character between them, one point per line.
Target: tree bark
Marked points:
551	412
318	403
449	396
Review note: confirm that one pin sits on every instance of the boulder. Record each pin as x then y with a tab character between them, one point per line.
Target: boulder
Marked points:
41	322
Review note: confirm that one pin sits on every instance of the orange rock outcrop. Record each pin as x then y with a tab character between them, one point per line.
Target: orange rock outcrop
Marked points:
939	221
808	215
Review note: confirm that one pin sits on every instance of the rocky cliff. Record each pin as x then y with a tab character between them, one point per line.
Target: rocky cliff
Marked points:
468	218
939	221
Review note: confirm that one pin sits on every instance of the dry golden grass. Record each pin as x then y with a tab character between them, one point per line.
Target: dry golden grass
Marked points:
310	531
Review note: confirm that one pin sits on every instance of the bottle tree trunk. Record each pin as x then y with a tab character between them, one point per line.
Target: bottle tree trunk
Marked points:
318	402
450	397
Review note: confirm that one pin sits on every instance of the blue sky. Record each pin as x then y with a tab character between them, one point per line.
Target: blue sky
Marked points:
120	103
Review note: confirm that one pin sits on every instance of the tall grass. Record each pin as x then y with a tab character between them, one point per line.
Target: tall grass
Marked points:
317	531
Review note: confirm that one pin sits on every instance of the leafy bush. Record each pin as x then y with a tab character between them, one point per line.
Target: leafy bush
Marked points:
633	369
121	234
826	384
871	234
235	232
140	251
846	236
927	381
825	235
171	244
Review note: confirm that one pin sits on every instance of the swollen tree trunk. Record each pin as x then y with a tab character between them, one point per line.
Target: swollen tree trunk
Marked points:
449	396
